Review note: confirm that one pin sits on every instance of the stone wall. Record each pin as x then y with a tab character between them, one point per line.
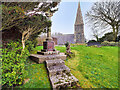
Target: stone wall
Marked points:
79	34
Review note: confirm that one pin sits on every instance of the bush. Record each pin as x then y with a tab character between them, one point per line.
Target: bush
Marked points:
107	43
35	42
90	41
13	63
70	55
29	45
72	45
66	44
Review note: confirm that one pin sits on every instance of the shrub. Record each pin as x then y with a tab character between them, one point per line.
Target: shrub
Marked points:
29	45
34	42
79	44
72	45
13	63
66	44
70	55
107	43
90	41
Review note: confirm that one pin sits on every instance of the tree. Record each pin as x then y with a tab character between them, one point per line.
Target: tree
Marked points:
96	33
32	25
14	12
26	16
105	15
107	37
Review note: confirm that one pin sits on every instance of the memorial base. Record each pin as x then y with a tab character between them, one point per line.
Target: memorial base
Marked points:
48	53
48	46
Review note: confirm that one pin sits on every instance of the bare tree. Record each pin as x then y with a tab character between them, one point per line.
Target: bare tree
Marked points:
95	34
105	15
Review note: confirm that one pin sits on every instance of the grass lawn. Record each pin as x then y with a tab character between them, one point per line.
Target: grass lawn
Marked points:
94	68
37	76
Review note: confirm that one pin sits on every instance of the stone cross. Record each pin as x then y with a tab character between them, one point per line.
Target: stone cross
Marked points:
49	44
49	15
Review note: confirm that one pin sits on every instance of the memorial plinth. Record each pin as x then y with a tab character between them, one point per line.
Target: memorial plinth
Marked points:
48	46
42	58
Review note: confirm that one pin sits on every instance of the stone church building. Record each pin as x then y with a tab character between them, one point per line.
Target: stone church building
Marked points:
78	36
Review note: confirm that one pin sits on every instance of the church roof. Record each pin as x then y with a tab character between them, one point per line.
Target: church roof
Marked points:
79	19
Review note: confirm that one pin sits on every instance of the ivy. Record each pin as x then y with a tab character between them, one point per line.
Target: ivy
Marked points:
13	64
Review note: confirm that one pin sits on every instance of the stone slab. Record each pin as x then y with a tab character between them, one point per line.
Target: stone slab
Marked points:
59	74
48	52
54	62
62	81
58	70
42	58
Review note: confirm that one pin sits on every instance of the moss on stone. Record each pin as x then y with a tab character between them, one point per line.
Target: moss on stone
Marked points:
58	82
68	74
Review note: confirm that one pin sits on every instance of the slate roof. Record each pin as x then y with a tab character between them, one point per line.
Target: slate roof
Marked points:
62	39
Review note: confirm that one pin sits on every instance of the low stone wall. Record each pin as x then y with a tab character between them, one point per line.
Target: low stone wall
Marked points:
106	43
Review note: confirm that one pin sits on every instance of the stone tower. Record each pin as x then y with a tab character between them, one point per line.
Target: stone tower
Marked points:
79	27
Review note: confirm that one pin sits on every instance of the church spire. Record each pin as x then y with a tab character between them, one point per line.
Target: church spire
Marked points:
79	19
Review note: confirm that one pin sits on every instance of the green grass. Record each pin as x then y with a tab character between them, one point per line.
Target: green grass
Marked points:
94	68
37	76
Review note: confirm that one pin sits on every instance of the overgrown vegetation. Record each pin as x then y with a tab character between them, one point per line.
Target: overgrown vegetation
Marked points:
29	25
29	17
13	64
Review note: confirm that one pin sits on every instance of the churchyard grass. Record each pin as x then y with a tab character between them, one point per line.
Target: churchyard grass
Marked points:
37	76
94	67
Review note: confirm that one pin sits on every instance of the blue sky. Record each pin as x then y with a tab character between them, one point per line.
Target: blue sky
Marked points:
63	20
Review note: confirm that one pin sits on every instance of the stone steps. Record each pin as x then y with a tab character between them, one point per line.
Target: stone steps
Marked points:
63	81
57	70
41	58
55	62
59	74
48	53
